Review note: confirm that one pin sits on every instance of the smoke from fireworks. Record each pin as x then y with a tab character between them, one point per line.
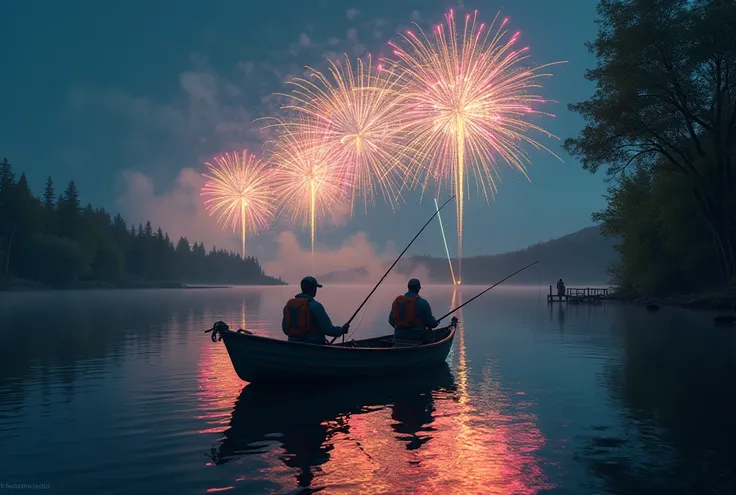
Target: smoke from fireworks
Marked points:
467	96
239	193
309	186
356	119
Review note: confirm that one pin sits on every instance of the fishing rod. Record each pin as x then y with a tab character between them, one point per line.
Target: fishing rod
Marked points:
391	267
489	288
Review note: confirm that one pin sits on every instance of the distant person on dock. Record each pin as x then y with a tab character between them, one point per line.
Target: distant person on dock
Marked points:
560	288
305	319
411	315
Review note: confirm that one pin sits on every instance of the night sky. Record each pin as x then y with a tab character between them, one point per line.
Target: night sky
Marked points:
130	99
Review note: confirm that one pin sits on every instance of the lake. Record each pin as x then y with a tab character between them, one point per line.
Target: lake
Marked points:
122	392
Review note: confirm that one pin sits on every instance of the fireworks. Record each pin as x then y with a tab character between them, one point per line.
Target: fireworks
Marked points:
448	106
466	98
309	185
240	193
355	116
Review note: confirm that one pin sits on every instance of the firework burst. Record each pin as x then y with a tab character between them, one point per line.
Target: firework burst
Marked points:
309	185
355	117
467	98
239	193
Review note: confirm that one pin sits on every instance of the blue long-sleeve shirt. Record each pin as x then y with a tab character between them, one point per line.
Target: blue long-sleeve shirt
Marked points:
424	313
320	319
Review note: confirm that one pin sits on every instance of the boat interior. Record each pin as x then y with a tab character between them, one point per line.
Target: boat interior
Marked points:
388	341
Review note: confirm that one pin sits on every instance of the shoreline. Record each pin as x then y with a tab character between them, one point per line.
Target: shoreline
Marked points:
717	300
21	285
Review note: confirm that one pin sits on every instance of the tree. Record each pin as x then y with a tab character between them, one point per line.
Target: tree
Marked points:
88	246
7	176
49	195
666	100
68	212
49	215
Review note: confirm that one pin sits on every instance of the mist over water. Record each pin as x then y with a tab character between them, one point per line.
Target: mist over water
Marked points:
121	391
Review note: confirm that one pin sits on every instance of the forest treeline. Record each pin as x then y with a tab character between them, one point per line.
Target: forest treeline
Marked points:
663	123
53	241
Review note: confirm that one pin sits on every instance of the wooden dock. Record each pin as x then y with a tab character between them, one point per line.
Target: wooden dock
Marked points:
576	295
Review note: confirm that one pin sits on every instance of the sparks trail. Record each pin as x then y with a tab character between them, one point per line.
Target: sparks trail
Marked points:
444	239
468	99
239	193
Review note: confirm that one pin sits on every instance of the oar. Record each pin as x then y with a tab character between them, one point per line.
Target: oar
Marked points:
391	267
489	288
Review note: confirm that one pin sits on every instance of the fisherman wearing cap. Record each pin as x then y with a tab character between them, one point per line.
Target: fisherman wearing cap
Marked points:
305	319
411	315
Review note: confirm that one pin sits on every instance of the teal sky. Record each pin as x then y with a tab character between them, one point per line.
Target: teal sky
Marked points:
102	92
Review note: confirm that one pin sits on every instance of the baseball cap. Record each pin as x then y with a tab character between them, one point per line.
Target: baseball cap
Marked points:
310	282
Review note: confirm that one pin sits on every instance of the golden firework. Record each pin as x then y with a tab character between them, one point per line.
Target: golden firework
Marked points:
355	117
309	185
239	193
468	99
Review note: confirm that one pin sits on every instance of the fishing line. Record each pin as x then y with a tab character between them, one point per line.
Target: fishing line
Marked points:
357	327
392	266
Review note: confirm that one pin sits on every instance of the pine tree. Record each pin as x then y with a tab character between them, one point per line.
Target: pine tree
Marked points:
48	195
49	207
68	213
7	176
71	196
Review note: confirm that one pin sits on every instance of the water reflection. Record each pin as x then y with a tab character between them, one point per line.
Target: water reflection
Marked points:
426	433
496	450
677	388
622	401
307	422
218	385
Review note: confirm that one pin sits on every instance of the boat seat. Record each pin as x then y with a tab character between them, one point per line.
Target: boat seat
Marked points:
406	343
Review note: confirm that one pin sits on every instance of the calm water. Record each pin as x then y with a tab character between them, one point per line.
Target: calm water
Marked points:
122	392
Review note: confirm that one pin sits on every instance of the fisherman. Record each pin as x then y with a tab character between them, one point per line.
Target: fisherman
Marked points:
411	315
560	288
305	319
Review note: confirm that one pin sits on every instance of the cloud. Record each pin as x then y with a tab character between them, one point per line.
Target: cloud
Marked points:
199	86
352	14
304	40
209	116
178	210
357	47
415	16
356	260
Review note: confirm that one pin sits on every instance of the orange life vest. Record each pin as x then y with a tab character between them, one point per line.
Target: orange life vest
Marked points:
298	318
404	310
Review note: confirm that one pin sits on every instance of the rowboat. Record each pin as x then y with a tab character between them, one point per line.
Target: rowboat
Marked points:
263	359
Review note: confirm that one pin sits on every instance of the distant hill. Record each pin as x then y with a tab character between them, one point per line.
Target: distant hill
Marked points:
582	257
